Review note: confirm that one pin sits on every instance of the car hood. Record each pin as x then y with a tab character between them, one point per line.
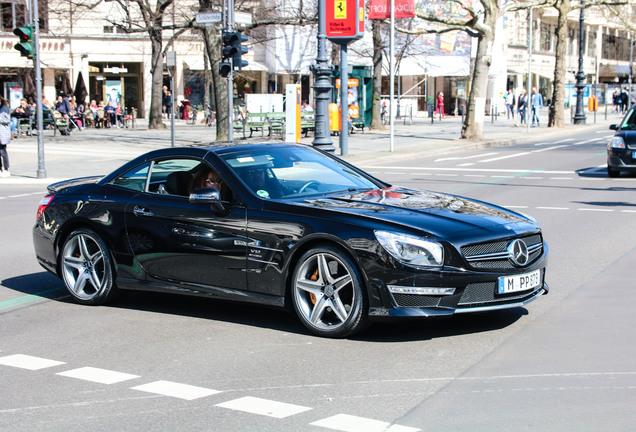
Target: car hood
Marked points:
628	135
433	212
67	184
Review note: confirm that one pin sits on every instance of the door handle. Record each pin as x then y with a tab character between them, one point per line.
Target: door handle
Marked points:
139	211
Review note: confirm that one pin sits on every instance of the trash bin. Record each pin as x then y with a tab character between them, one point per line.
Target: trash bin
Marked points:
334	117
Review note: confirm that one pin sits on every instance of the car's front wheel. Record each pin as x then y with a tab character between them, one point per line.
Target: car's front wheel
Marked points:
327	293
87	267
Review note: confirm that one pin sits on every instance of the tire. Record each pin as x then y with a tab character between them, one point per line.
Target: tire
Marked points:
327	293
87	269
612	172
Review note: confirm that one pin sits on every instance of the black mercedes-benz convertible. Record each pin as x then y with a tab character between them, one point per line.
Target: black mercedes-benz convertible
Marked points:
286	225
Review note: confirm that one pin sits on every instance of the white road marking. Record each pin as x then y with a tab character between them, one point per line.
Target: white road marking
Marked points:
177	390
474	175
466	157
564	140
595	209
504	157
549	148
466	164
553	208
485	170
264	407
515	207
561	178
349	423
102	376
28	362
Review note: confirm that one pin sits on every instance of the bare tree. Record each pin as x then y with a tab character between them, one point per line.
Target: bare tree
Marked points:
479	23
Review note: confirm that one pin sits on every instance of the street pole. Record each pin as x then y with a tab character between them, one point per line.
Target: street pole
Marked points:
322	86
579	117
229	23
529	92
41	173
392	78
631	65
344	101
171	65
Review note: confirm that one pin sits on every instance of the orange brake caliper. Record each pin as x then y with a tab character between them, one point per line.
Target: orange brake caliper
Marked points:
314	277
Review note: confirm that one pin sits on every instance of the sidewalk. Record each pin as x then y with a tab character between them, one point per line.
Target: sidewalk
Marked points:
99	151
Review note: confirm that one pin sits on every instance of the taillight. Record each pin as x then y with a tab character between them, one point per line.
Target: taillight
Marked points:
43	205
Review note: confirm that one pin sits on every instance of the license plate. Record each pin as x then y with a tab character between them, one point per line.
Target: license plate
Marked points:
633	155
509	284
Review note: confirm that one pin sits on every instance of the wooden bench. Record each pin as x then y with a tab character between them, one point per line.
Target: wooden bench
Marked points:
277	123
60	123
307	122
254	122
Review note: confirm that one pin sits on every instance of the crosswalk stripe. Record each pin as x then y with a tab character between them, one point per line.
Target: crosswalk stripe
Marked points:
349	423
102	376
28	362
264	407
177	390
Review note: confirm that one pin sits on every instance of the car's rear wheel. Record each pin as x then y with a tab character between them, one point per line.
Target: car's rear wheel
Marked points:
87	267
327	293
611	172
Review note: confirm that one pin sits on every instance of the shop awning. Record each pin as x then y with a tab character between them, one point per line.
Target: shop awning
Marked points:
614	70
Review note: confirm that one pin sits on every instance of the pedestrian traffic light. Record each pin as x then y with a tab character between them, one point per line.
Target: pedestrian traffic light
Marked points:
25	46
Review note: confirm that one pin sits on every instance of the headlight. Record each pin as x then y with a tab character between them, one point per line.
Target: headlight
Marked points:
411	250
617	142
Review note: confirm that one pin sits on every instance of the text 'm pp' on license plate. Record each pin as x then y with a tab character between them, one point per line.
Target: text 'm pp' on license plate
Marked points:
523	282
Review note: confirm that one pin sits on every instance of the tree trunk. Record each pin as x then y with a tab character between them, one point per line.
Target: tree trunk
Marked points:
555	113
156	70
473	127
219	84
376	119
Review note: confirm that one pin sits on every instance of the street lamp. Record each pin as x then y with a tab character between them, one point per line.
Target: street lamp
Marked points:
579	117
322	86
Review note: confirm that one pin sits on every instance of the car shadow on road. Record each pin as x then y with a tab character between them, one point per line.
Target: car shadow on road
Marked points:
418	329
47	286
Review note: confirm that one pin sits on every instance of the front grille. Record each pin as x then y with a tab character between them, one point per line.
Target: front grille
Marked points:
415	300
494	255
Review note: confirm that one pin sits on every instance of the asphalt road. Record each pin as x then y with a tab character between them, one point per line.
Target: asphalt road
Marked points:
162	362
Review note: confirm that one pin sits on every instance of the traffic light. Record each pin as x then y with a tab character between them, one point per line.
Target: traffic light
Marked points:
25	46
239	51
231	52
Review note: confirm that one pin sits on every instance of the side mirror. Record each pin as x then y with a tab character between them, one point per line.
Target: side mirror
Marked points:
614	127
207	195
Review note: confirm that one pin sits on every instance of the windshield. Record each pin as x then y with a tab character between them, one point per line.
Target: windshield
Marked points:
629	121
275	172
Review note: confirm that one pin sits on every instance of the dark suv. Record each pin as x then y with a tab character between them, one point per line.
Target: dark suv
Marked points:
621	150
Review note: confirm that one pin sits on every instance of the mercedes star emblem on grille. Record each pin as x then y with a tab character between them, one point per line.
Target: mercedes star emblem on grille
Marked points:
518	252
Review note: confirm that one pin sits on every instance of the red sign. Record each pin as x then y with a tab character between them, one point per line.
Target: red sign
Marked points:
344	20
381	9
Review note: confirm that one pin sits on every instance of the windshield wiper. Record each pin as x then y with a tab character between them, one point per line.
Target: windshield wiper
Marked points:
351	189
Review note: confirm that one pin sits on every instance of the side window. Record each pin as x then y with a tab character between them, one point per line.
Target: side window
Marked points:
135	179
173	176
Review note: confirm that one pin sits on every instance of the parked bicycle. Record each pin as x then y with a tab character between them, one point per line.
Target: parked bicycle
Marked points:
384	115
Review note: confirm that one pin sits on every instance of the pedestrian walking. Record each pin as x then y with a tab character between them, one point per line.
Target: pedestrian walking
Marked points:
522	103
440	104
616	100
536	101
510	104
5	136
624	101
